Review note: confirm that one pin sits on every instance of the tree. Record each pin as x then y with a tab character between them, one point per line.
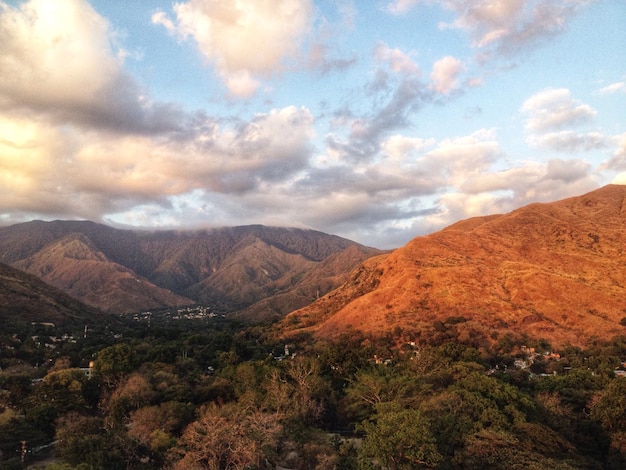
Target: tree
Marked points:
226	437
399	438
609	409
377	385
134	393
59	392
609	406
155	427
496	449
81	440
304	374
114	362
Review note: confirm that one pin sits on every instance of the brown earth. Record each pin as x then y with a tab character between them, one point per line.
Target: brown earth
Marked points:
259	272
25	298
554	271
76	266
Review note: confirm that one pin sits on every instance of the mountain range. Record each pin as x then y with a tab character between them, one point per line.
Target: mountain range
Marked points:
555	271
256	272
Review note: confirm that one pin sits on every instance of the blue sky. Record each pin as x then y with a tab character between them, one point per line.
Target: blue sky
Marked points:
378	121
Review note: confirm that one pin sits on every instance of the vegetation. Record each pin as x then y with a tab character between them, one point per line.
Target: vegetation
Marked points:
217	395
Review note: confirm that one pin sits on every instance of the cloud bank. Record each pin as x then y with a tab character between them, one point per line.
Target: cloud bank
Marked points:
82	137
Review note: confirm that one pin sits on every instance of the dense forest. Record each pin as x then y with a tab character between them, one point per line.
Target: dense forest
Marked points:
214	394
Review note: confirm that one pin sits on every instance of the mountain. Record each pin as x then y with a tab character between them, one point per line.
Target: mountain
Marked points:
554	271
232	269
73	263
24	297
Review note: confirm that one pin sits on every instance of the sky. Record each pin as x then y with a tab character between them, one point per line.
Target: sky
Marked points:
377	120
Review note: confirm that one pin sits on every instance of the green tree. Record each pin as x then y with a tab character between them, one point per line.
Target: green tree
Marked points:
114	362
59	392
608	407
399	438
81	440
503	450
380	384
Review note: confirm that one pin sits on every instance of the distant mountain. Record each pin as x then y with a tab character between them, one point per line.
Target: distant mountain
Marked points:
24	297
73	263
233	269
555	271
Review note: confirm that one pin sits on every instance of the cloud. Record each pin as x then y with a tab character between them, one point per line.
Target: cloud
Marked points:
499	192
617	162
554	109
399	147
60	59
366	132
548	115
397	60
320	59
66	171
244	39
50	53
503	27
617	87
569	141
399	7
507	27
456	159
445	74
394	94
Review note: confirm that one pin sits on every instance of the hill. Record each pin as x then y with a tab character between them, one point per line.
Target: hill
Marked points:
231	269
553	271
24	297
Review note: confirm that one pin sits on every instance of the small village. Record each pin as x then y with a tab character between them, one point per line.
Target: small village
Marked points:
199	312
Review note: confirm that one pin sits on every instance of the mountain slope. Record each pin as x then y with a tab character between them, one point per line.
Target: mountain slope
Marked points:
24	297
230	268
76	266
553	271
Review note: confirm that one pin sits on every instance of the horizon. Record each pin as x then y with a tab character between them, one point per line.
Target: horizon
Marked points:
208	228
376	123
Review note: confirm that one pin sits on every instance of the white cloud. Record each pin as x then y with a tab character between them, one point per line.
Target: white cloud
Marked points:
398	61
401	6
503	26
59	59
617	162
43	165
399	147
507	26
553	109
569	141
55	54
458	158
613	88
244	39
500	192
445	74
551	112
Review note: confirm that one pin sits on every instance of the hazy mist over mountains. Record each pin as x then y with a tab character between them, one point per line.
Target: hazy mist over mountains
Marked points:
229	269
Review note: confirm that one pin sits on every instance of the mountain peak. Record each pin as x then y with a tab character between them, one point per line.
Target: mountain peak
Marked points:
550	270
230	269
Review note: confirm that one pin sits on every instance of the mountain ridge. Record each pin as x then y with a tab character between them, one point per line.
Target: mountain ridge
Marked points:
26	298
125	271
550	270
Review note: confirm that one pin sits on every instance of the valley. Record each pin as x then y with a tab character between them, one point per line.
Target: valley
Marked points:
496	342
